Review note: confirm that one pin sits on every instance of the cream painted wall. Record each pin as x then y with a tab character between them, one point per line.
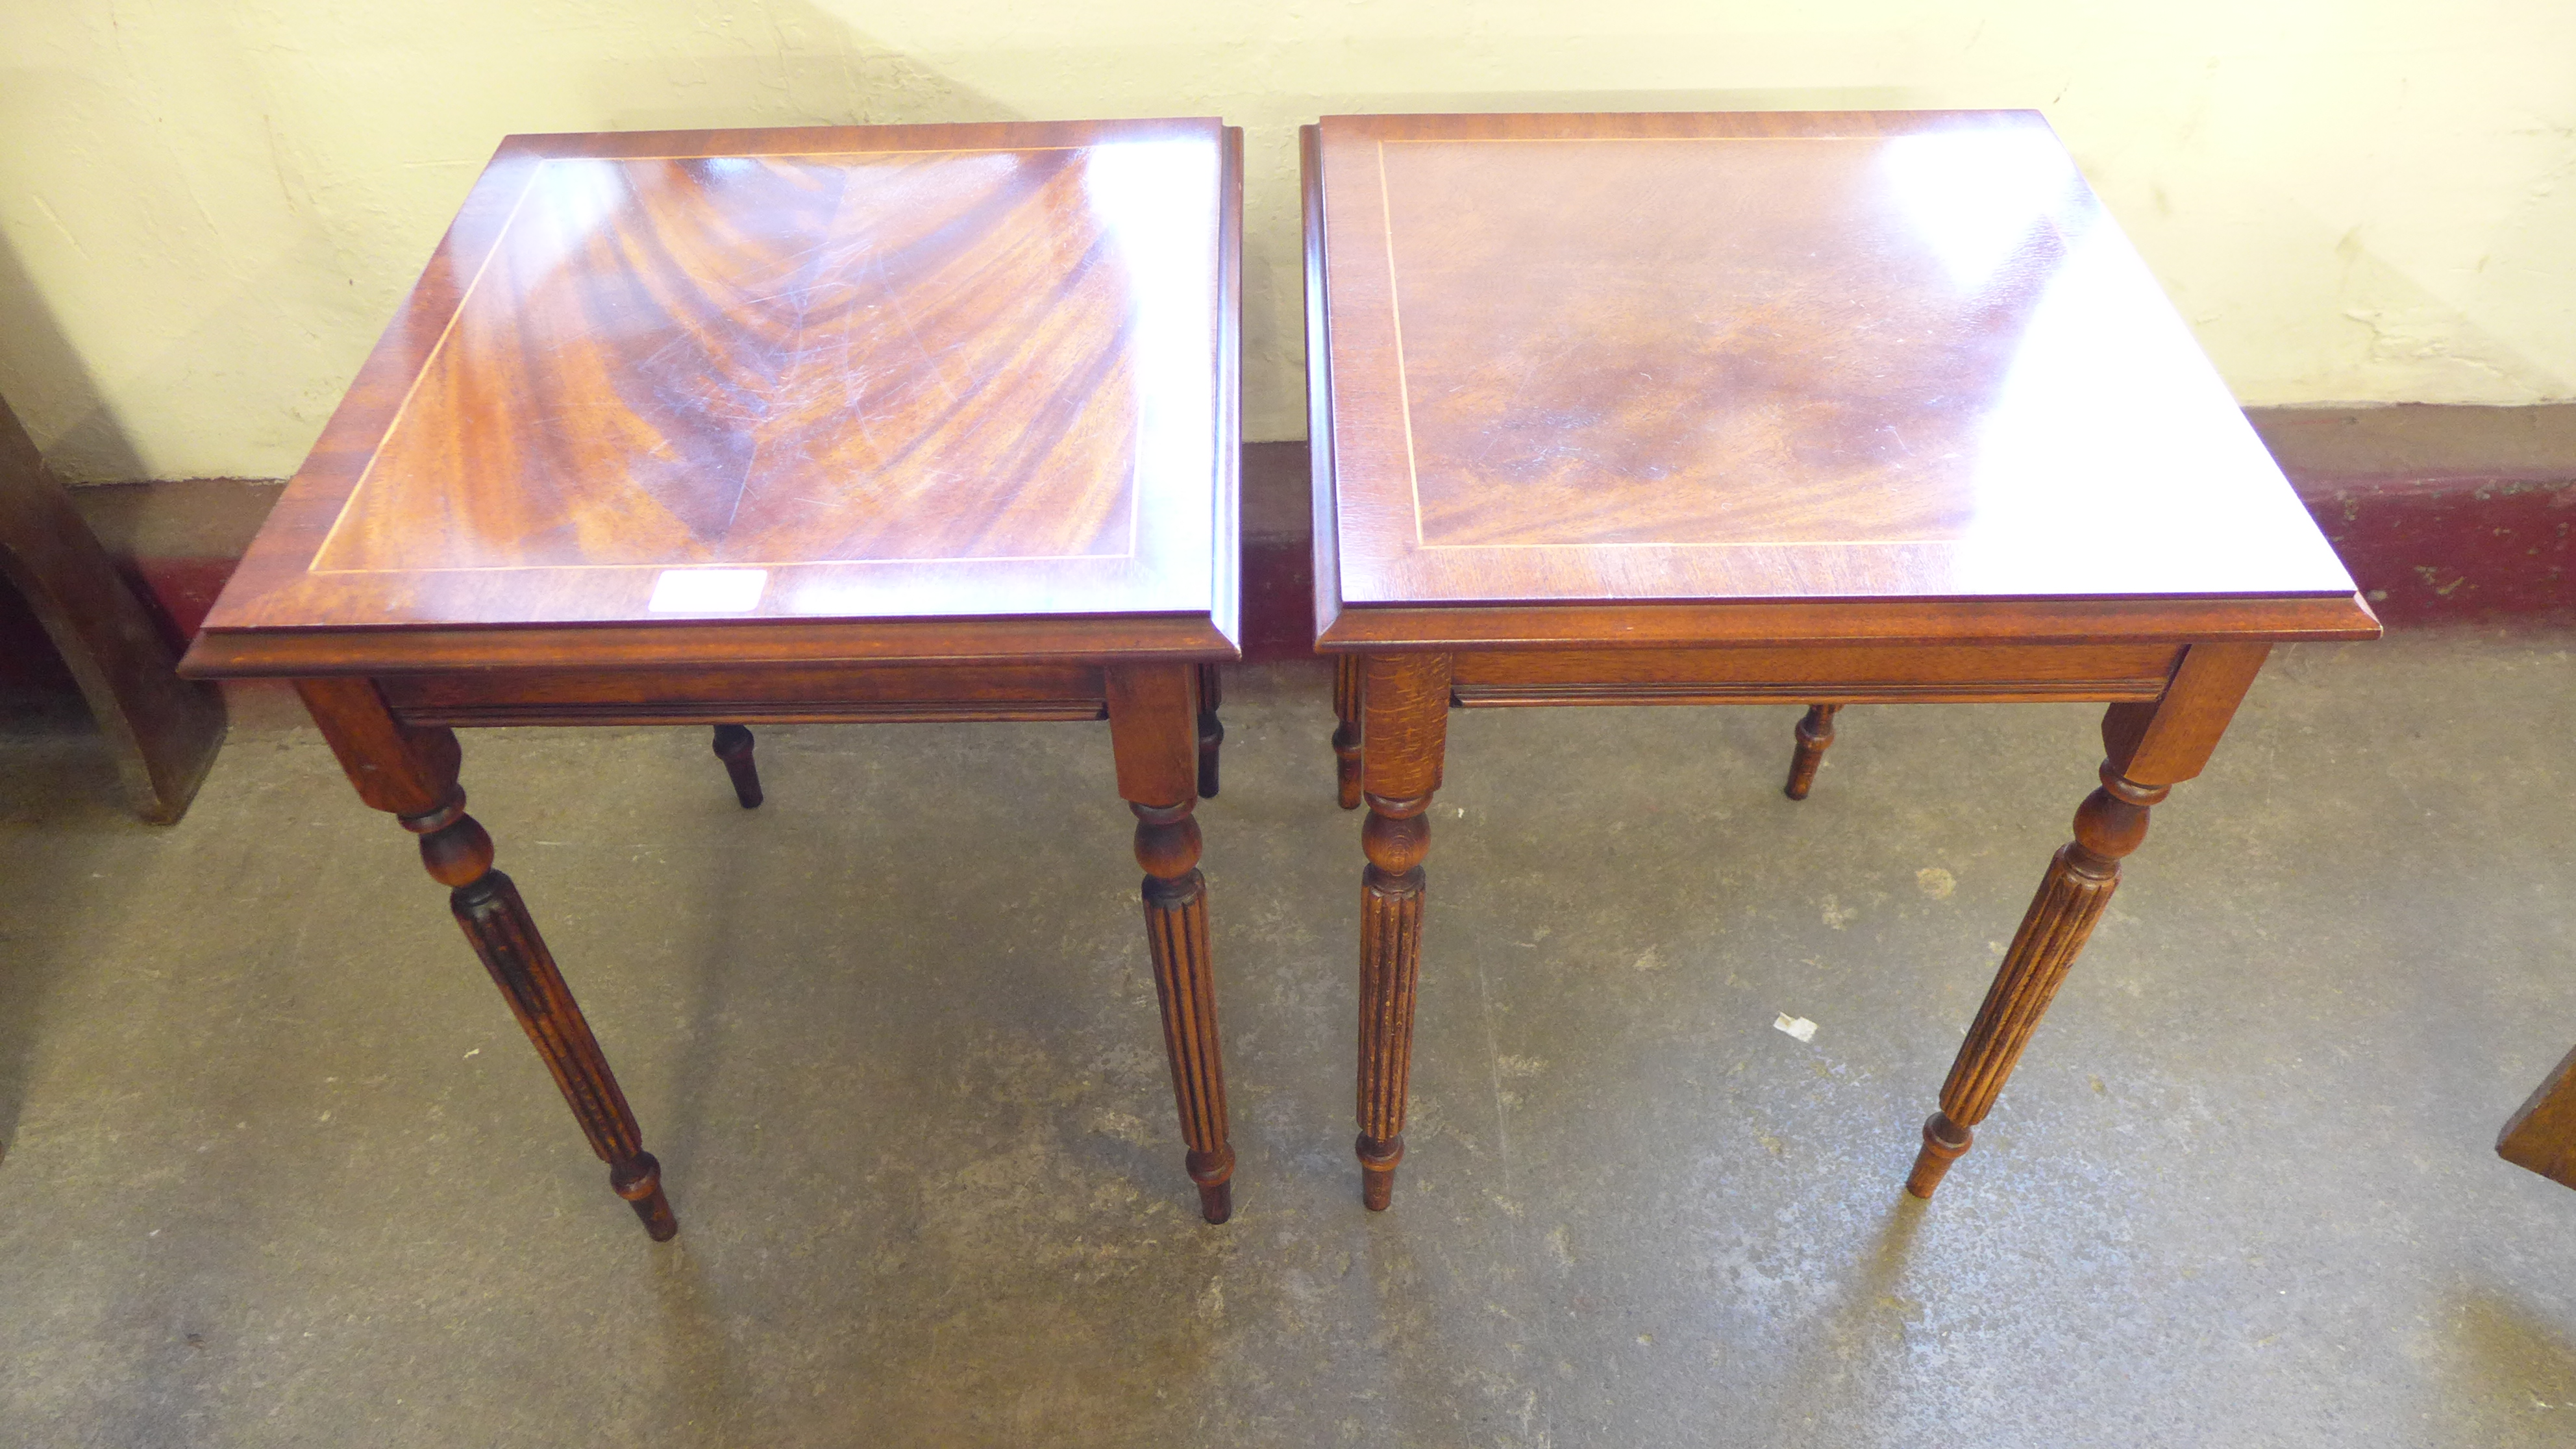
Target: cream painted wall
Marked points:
208	207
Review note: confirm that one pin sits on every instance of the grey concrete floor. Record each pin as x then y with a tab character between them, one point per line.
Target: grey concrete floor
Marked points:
282	1171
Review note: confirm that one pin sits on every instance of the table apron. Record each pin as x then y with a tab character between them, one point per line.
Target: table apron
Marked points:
1850	674
751	694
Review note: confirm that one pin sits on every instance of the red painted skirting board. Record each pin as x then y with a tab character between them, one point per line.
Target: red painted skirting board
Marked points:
2443	514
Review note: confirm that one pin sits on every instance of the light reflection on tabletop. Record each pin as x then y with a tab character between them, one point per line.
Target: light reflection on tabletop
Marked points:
1907	365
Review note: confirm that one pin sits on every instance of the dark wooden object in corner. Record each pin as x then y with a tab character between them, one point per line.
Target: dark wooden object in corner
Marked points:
165	730
2542	1136
1532	489
525	513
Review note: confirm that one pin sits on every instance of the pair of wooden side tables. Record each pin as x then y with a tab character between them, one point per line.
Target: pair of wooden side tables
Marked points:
940	423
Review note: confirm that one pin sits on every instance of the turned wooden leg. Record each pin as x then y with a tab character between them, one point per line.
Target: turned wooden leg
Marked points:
1347	671
2148	748
1176	932
1211	729
733	746
1815	732
411	772
2071	896
1396	837
1154	722
1406	699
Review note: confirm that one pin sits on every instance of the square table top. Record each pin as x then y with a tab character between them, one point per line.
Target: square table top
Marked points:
1629	378
900	392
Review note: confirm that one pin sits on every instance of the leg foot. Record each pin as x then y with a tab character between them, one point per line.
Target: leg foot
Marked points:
639	1180
1944	1142
1214	1173
1377	1170
733	746
1211	729
1815	732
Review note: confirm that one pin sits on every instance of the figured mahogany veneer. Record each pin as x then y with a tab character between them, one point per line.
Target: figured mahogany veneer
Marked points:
1824	408
1767	356
747	427
943	372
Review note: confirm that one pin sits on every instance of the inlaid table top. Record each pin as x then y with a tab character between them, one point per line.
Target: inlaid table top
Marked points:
892	392
1890	374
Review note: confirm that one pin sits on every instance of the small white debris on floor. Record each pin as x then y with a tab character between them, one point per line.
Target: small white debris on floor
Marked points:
1797	1026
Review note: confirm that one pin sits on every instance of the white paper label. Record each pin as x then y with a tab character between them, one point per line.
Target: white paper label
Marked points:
707	591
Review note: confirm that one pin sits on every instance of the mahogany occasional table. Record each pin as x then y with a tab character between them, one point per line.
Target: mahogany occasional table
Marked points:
898	423
1701	409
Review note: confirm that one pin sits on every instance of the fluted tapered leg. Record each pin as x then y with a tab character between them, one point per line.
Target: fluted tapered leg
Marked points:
2080	880
411	772
487	905
1405	703
1396	838
1211	729
2149	746
1176	933
1347	672
733	746
1154	723
1815	732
